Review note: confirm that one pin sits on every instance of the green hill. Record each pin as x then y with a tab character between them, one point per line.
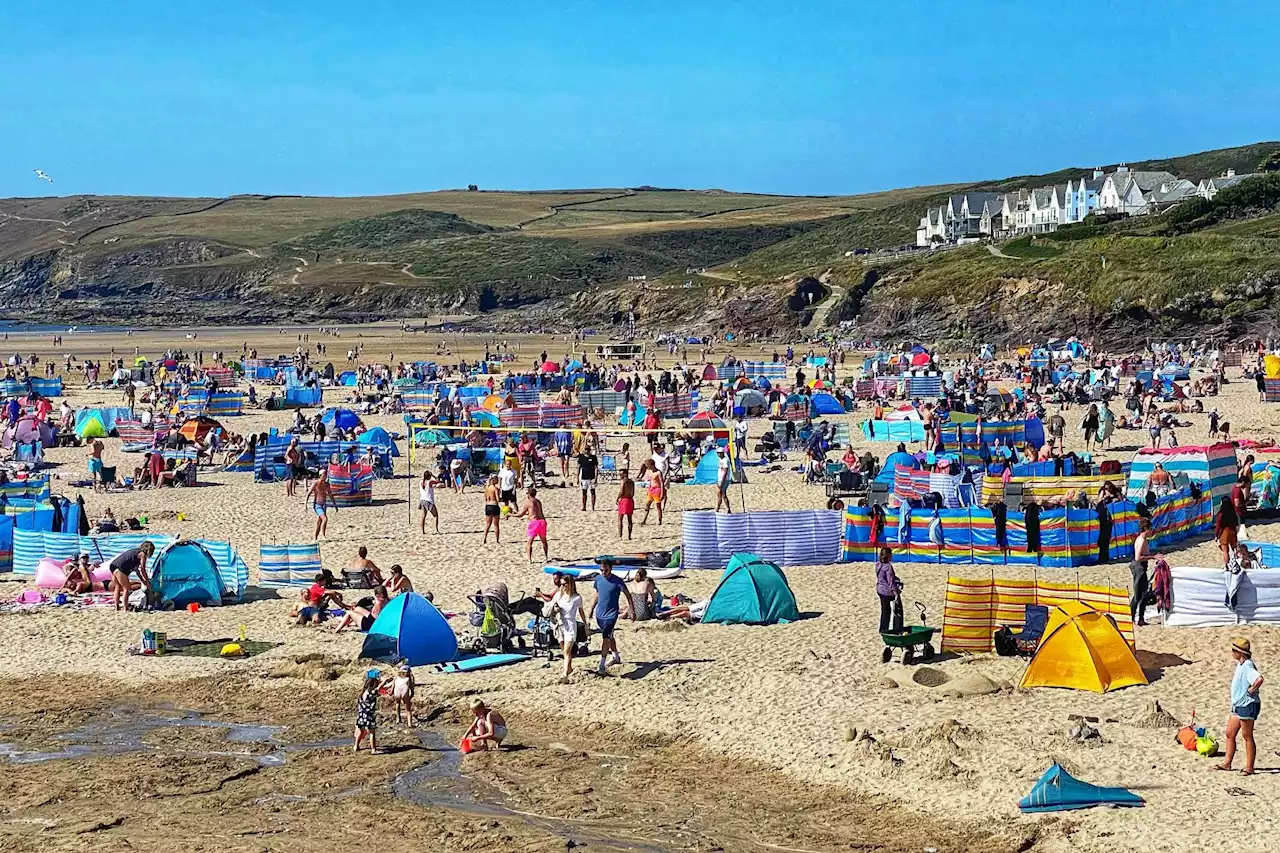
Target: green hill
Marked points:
697	258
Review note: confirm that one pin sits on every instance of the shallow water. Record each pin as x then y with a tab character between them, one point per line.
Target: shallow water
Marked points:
123	732
439	783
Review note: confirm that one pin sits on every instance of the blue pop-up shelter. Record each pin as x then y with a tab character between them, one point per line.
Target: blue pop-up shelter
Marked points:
185	573
1059	791
380	437
825	404
412	630
341	418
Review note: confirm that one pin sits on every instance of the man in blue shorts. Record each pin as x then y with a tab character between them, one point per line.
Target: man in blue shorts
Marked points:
609	589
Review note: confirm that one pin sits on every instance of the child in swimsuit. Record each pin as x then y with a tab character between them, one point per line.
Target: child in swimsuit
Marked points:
402	689
537	528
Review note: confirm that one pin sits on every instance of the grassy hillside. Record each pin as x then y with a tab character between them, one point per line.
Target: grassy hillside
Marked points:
224	259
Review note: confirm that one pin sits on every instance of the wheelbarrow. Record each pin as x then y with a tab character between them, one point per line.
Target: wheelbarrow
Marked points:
910	639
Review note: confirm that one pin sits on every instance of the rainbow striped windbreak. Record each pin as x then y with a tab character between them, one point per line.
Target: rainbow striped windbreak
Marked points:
976	608
1068	537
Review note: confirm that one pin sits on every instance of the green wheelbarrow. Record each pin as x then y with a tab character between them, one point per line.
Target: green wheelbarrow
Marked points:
910	639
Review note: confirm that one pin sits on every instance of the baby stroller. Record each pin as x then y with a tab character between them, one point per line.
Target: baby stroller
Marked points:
494	628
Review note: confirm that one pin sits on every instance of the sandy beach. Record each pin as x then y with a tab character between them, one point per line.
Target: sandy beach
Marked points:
809	706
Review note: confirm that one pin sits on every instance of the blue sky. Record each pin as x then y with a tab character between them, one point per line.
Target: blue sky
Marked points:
342	98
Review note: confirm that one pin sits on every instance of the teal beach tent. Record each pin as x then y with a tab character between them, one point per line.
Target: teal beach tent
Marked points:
752	592
1059	791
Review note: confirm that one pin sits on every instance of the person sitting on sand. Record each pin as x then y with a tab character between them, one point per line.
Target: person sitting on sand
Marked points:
361	564
488	727
79	577
314	600
398	582
366	615
644	601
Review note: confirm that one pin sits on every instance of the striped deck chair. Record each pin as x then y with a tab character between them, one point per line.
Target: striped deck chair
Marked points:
288	565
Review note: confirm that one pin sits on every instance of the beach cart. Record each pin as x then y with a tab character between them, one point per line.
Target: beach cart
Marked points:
911	639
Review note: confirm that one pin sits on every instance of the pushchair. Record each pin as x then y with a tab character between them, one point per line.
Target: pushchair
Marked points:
494	629
545	633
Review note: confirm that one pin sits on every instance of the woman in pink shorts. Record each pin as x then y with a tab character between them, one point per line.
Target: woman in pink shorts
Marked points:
537	528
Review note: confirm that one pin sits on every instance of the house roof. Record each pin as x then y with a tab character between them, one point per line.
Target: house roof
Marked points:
1170	192
976	201
1148	181
1041	195
1222	183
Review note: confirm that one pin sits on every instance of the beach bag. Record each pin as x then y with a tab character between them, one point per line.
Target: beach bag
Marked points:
489	626
1187	737
1206	746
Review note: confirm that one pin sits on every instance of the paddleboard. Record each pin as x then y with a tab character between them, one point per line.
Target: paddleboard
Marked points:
590	570
481	662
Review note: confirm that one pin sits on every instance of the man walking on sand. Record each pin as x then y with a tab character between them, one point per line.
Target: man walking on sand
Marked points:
609	589
321	498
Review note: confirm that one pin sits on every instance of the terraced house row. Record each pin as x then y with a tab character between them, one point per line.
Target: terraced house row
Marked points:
970	217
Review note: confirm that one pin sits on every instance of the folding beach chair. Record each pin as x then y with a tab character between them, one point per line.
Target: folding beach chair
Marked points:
1035	621
608	471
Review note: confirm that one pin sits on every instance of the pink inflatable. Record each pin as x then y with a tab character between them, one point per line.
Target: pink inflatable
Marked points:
52	574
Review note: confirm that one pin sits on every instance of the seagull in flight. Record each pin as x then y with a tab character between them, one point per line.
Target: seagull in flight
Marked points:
42	176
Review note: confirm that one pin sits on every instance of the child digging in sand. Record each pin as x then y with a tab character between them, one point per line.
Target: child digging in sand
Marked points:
488	730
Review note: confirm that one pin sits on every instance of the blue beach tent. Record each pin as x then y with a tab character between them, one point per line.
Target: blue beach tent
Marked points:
412	630
1059	791
380	437
185	572
341	418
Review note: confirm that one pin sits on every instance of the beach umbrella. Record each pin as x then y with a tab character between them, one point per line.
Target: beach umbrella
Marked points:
484	418
195	429
432	438
707	422
550	367
574	365
817	384
341	418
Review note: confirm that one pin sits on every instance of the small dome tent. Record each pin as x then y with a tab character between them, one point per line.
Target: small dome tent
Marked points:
1083	650
186	572
752	591
412	630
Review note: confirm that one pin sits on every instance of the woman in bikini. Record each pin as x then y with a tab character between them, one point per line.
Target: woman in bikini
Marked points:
492	512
